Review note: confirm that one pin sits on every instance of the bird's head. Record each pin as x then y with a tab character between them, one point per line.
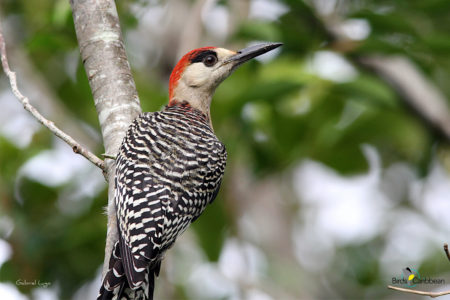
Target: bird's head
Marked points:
199	72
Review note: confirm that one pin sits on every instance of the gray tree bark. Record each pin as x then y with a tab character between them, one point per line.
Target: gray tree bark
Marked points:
105	61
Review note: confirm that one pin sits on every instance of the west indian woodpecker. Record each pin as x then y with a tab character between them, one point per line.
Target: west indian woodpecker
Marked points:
169	167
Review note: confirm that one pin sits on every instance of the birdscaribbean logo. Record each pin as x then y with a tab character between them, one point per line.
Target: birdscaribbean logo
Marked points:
410	275
411	278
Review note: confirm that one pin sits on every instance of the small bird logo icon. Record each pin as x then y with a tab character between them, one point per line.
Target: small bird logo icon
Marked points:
410	274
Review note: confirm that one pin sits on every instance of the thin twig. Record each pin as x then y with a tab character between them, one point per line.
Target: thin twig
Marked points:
109	156
446	251
430	294
76	147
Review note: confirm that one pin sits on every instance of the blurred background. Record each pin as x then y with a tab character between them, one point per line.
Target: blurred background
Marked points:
338	169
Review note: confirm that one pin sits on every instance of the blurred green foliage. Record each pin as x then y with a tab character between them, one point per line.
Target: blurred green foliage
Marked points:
270	116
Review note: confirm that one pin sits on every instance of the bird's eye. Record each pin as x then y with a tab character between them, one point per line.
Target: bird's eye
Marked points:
210	60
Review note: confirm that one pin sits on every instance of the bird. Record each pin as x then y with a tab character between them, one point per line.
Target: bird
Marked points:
169	168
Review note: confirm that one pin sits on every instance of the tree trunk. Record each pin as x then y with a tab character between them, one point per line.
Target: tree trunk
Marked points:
102	50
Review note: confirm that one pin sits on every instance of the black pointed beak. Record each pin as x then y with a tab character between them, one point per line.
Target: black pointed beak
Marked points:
248	53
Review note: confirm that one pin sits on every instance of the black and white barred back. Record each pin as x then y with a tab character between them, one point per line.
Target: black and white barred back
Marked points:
169	168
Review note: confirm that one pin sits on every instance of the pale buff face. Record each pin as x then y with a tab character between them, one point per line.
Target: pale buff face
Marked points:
199	81
199	75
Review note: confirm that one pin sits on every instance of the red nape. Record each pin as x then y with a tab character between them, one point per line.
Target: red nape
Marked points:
179	69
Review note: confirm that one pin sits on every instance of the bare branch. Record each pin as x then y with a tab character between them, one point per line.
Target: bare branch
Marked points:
103	54
414	87
446	251
49	104
423	293
76	147
420	93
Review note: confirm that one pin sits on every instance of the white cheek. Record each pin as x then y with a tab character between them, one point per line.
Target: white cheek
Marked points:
197	75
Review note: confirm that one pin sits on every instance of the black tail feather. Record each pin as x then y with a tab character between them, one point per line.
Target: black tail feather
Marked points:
152	273
115	278
115	284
